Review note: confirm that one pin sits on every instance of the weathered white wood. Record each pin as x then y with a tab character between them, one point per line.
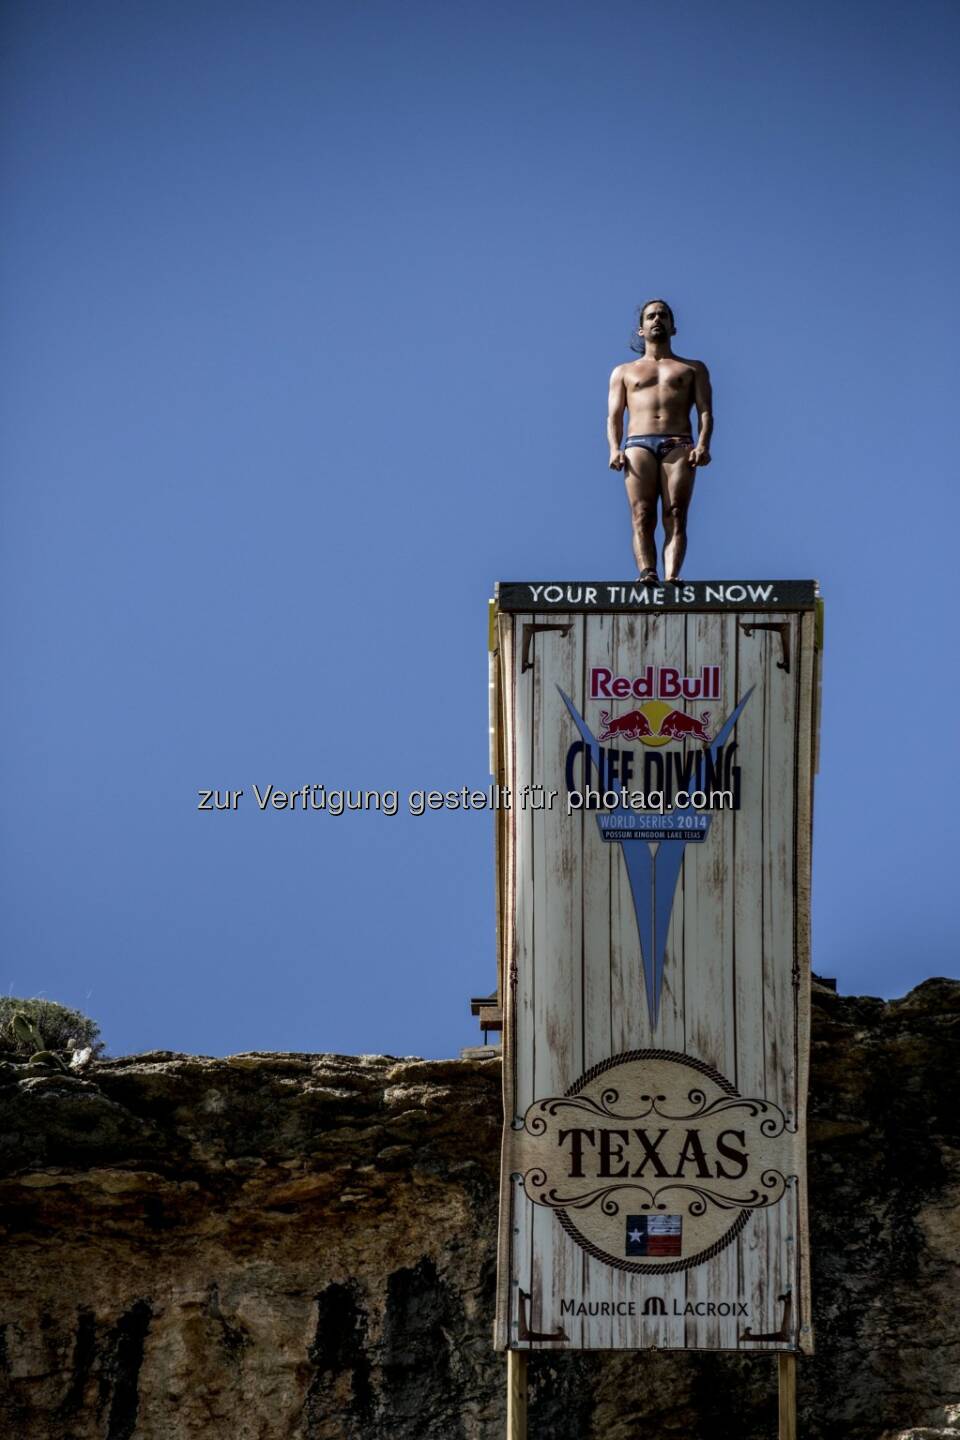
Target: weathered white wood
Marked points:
808	727
779	903
708	930
521	1218
521	719
643	640
596	1283
757	946
600	642
756	653
663	645
709	997
779	762
509	928
730	998
558	1010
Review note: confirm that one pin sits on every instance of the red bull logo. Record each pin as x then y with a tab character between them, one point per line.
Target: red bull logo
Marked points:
632	726
657	682
678	726
655	724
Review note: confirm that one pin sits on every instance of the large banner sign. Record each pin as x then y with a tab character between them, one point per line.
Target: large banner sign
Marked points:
653	873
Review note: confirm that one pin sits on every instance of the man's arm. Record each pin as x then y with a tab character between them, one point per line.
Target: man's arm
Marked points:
703	399
616	401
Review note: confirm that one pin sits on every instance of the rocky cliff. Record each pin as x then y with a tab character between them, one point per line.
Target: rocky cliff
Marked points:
301	1247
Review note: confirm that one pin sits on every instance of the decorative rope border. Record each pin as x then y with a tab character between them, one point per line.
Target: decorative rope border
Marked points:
677	1056
726	1239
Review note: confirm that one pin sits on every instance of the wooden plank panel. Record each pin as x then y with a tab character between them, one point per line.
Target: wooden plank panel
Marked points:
808	682
600	632
580	997
661	645
708	972
779	803
754	655
522	722
509	922
596	1283
708	928
643	640
558	937
766	1257
520	1027
764	1045
521	1239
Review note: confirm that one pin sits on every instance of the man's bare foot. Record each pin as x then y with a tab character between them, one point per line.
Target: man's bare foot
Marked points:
649	577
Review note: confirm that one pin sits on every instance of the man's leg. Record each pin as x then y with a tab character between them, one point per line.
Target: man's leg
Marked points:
677	491
642	478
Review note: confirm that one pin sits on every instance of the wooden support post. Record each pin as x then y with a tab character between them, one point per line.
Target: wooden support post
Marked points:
788	1396
516	1395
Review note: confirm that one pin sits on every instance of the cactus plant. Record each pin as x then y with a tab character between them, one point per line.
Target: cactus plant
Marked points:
32	1027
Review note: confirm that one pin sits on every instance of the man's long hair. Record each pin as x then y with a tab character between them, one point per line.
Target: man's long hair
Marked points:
637	343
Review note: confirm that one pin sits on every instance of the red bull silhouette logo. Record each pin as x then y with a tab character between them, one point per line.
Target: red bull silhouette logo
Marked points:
632	726
678	726
670	725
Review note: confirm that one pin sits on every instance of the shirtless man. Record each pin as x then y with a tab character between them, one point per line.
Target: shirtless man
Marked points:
659	456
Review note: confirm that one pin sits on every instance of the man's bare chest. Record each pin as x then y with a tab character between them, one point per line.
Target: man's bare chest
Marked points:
658	381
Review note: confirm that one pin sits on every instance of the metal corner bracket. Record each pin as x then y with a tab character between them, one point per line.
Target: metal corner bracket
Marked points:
523	1327
783	628
529	630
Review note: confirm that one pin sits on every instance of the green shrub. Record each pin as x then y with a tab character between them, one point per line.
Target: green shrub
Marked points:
60	1029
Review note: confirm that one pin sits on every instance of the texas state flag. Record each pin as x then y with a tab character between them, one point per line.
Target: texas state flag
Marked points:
654	1235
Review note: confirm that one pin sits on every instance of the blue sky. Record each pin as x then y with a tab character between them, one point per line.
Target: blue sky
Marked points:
309	316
